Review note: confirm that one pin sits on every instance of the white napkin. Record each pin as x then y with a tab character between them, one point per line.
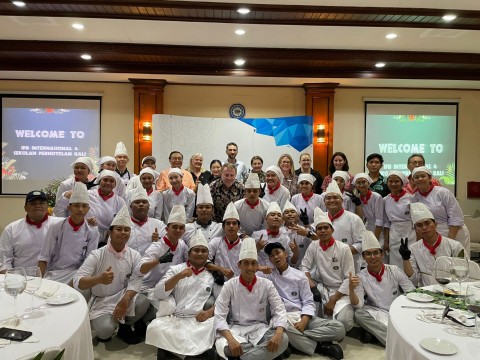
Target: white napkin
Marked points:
47	290
11	324
463	317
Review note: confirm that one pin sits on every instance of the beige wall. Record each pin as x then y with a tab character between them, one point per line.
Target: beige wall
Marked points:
117	118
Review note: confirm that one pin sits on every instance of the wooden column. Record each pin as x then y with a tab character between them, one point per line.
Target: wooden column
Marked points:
148	95
319	104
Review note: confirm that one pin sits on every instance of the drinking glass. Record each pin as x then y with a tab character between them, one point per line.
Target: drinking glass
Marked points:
443	275
459	269
34	281
15	283
472	301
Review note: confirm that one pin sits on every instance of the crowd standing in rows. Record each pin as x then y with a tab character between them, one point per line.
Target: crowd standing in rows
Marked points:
242	262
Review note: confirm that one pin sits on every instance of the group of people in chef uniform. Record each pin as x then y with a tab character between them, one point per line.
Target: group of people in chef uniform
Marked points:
276	272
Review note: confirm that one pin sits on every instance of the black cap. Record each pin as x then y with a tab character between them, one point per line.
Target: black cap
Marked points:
35	194
275	245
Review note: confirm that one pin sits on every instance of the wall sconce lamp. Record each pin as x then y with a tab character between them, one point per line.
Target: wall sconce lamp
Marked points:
320	134
147	131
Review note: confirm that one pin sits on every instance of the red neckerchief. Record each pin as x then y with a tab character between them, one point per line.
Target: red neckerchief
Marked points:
272	190
433	247
179	190
272	233
105	197
77	179
248	286
377	276
37	224
330	244
307	197
428	191
337	215
252	206
366	198
150	191
169	244
195	271
397	197
231	245
138	222
73	225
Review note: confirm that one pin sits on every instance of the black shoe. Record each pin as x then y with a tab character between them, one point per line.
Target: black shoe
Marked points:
126	334
286	354
163	354
104	340
317	297
330	349
366	337
140	328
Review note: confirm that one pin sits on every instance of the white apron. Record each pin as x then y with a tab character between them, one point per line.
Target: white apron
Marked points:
463	236
378	314
399	230
243	334
339	305
106	305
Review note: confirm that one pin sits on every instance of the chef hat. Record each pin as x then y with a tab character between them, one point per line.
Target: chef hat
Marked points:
253	181
274	207
79	194
122	218
289	206
197	240
105	173
369	241
177	215
176	171
320	217
306	177
148	170
422	169
204	196
231	212
419	212
399	174
105	159
120	149
333	188
84	160
138	193
362	176
343	174
276	170
248	249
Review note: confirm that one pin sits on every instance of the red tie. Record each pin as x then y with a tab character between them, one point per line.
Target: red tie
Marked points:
229	244
252	206
366	198
195	271
179	190
272	190
307	197
170	244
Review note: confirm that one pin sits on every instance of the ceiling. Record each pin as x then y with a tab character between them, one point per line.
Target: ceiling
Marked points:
286	42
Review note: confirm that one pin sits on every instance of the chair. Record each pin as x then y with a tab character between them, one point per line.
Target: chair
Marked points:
473	225
473	271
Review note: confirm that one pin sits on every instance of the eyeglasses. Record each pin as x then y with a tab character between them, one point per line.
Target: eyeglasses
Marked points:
419	163
370	254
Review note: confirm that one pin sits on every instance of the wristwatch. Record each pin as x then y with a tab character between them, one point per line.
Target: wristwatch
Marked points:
310	234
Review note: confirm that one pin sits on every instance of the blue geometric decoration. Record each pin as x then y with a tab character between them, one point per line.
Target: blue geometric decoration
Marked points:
296	131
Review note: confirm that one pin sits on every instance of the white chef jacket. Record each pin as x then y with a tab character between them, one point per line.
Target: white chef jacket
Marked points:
251	219
210	231
185	198
397	211
20	243
104	210
294	290
126	176
156	250
348	205
155	200
423	261
443	205
222	256
281	238
120	188
280	196
303	243
141	235
373	211
300	204
65	185
127	276
66	249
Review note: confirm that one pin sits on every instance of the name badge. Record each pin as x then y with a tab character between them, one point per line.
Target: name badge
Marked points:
208	289
344	240
294	293
335	265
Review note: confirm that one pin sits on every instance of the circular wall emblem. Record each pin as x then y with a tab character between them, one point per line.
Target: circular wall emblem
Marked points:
237	111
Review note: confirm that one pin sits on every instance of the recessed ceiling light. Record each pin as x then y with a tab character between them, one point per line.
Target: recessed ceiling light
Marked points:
240	32
86	57
78	26
19	3
239	62
391	36
379	65
449	17
243	11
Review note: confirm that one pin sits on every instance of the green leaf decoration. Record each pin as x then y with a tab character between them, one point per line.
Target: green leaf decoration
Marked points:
449	177
60	355
39	356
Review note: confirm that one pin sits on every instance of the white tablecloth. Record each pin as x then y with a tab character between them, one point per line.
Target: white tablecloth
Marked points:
405	333
62	326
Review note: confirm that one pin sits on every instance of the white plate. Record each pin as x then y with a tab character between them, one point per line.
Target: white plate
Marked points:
439	346
420	297
61	299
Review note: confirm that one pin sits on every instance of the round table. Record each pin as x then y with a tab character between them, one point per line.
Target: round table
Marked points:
55	326
405	332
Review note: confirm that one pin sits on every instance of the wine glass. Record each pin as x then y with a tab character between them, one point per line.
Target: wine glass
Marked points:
15	283
34	281
472	301
459	269
443	275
